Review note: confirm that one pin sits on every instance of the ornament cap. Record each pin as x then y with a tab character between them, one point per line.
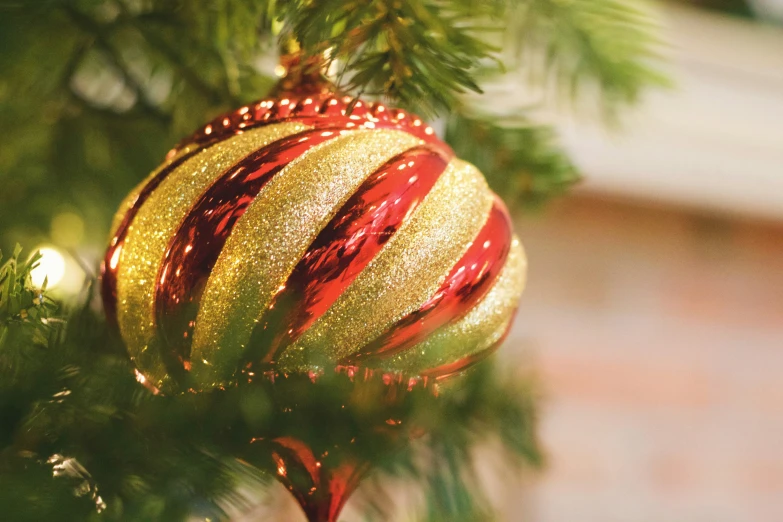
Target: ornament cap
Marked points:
303	76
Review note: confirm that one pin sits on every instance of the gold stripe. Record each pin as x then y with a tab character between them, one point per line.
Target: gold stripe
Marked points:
405	273
153	228
131	198
482	327
272	236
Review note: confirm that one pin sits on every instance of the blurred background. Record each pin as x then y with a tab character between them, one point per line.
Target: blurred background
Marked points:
653	316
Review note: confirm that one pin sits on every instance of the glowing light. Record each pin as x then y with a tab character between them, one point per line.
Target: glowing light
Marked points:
51	267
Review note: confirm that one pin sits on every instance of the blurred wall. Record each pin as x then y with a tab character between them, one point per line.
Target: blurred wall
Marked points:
657	335
713	141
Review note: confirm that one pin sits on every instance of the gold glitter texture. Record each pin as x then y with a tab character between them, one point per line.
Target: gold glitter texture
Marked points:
154	226
482	327
130	199
405	273
271	237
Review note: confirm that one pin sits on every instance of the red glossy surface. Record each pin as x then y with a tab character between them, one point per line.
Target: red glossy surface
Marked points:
311	110
468	281
197	244
112	257
319	485
345	246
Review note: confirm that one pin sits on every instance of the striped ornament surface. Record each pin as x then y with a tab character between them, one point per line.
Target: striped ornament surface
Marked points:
290	236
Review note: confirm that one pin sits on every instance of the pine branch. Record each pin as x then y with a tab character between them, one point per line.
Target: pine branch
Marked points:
24	309
605	47
521	160
422	53
167	458
425	53
80	435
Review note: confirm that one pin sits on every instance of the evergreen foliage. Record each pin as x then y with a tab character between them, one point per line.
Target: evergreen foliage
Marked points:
25	311
94	92
521	160
604	47
73	409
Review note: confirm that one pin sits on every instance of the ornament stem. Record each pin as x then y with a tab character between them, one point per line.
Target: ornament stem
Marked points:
321	482
303	76
340	485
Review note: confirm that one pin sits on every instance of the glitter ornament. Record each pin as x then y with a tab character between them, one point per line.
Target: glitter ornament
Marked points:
305	231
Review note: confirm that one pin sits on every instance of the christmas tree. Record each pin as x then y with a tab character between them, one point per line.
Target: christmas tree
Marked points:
156	394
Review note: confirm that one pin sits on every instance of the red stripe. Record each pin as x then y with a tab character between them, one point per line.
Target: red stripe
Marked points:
318	110
197	244
345	246
468	282
448	370
111	260
321	485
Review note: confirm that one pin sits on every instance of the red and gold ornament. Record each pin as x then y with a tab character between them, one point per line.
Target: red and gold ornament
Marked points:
295	233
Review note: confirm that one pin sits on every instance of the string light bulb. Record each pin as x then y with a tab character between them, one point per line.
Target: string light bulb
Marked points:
51	268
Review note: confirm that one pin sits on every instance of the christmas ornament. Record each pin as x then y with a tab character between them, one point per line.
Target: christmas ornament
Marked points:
308	231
